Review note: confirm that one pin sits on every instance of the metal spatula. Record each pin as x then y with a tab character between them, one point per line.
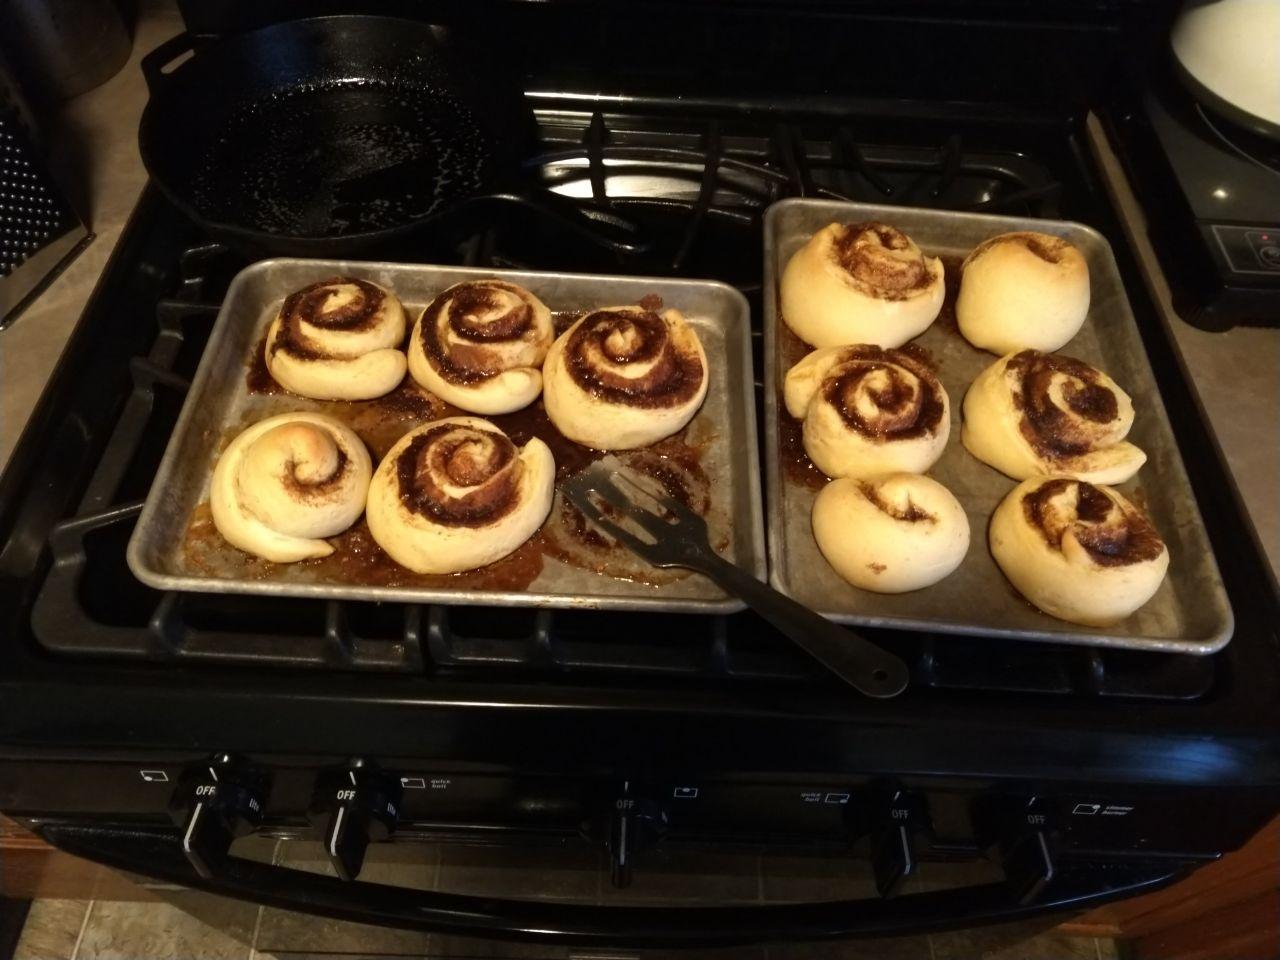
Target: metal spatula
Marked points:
680	540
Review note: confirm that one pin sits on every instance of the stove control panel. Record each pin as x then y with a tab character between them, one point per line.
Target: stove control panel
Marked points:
897	822
635	820
214	803
1249	250
1024	830
352	806
1039	833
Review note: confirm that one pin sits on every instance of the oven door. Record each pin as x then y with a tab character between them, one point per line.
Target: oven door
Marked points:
679	918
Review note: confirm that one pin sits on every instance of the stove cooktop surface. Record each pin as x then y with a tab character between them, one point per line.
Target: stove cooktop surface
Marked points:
77	619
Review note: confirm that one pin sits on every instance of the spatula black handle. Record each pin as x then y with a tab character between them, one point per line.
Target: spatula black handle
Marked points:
860	663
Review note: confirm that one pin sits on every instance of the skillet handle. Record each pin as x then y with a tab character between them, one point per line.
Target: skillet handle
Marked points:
601	227
153	63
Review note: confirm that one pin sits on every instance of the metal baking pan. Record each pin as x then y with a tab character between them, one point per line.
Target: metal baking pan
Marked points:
1190	612
174	546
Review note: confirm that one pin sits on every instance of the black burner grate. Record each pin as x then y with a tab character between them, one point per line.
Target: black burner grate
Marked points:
701	189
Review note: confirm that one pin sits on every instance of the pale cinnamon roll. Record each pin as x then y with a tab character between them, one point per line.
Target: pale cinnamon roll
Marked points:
338	339
456	494
1022	291
625	377
286	483
868	411
890	533
480	345
1079	552
860	283
1034	414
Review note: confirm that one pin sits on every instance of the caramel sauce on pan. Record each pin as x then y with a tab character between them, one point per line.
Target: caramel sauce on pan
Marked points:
562	320
952	267
357	560
674	466
257	378
381	422
674	463
796	465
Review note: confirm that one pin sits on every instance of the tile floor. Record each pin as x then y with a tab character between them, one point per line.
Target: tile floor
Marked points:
180	923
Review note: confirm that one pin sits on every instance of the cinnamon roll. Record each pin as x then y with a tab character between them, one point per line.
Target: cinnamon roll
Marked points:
1079	552
480	345
868	411
338	339
287	482
891	533
1034	414
860	283
456	494
625	377
1022	291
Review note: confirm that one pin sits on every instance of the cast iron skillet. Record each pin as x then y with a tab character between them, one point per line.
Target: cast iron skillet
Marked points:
336	135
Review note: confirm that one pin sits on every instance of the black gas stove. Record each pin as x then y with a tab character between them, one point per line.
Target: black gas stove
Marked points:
147	729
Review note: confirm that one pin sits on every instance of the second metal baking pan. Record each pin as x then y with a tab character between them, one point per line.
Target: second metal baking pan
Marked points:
1190	612
174	546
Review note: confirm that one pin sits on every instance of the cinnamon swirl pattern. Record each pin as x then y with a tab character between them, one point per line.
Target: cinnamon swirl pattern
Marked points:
625	377
338	339
457	494
860	283
891	533
286	483
868	411
480	345
1034	414
1077	551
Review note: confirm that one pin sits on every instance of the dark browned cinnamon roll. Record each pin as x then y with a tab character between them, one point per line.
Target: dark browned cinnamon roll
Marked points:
1078	551
1035	414
480	345
625	377
868	411
860	283
338	339
457	494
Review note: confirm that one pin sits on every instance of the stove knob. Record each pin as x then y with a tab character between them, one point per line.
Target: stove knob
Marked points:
213	805
1022	830
634	822
354	806
895	820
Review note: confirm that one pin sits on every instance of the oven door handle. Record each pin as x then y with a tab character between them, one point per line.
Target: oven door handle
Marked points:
155	851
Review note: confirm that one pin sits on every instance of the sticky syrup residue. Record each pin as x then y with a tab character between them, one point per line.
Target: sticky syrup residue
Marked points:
357	560
952	268
671	466
796	465
675	464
